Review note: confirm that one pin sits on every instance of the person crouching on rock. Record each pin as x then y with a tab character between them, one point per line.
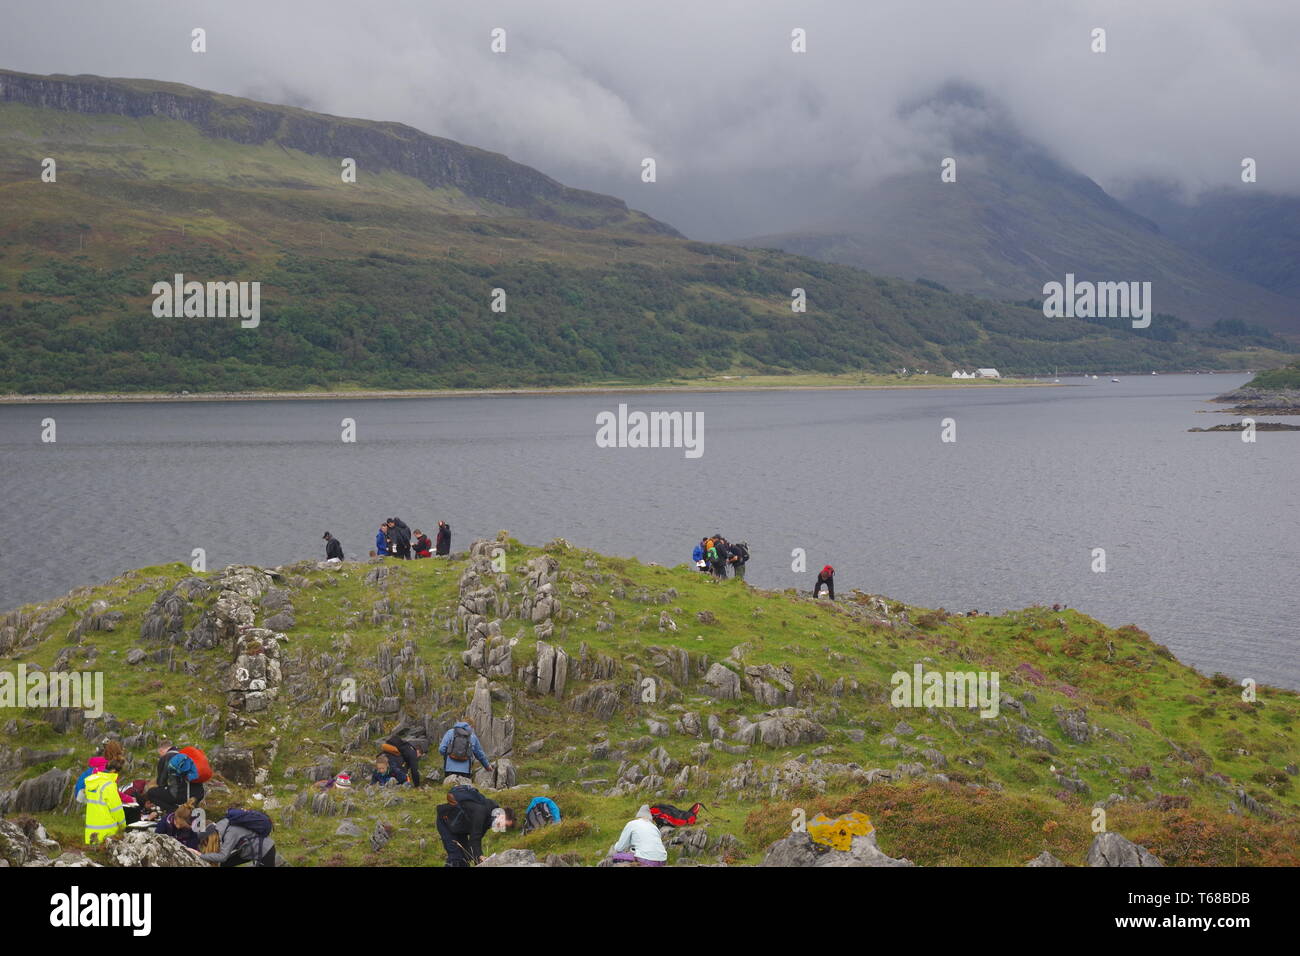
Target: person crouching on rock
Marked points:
640	842
825	578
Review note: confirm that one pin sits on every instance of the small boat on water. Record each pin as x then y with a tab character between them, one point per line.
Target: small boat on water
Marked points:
1114	380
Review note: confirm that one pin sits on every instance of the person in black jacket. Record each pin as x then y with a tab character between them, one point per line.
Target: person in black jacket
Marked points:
172	789
407	758
444	538
462	822
400	533
826	579
422	545
333	550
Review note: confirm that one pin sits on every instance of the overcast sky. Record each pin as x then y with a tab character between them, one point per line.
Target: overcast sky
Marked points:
749	137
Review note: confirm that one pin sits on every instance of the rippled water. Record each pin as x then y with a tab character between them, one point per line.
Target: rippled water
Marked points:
1200	530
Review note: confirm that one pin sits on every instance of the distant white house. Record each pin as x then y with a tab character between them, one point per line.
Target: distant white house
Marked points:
987	373
960	374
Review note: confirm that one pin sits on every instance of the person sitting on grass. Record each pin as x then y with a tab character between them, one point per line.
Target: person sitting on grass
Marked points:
640	842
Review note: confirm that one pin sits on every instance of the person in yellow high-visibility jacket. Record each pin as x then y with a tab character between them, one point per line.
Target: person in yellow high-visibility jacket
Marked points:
104	814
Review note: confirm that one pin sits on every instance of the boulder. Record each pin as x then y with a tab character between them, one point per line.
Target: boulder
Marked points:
514	857
39	794
235	764
798	849
722	682
786	727
1044	859
145	848
496	734
1073	723
1111	849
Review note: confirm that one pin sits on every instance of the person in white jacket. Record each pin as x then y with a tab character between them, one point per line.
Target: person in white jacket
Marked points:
640	842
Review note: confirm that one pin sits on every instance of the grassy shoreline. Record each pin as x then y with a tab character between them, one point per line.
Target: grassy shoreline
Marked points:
748	383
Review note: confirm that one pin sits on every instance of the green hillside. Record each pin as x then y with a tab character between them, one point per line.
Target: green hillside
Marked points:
1277	378
606	684
388	282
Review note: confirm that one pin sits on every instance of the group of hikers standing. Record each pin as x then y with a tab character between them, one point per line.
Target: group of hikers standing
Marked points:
396	539
716	554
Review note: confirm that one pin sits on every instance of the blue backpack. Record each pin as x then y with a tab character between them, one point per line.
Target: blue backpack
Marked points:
256	822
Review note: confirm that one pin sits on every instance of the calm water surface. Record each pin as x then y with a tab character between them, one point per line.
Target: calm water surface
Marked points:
1200	530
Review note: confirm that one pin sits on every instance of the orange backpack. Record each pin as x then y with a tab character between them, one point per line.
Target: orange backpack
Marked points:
200	763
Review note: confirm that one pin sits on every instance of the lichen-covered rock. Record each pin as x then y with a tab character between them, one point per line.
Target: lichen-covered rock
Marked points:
145	848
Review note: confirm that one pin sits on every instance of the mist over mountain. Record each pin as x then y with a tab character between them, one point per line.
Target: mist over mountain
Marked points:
1017	217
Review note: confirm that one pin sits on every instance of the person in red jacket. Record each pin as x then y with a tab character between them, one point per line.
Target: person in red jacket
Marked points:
825	578
422	546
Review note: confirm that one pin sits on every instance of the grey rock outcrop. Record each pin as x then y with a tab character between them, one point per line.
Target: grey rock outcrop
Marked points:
1111	849
145	848
513	857
798	849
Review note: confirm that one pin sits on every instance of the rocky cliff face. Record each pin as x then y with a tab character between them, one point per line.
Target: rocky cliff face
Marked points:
439	163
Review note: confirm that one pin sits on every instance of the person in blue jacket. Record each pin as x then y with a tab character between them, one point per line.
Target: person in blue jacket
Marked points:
698	555
458	748
381	541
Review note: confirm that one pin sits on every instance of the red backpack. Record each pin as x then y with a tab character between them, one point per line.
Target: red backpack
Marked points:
667	815
201	764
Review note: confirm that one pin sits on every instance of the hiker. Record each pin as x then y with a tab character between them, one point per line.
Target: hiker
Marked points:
104	814
385	772
241	836
176	781
713	554
333	550
404	757
462	822
111	751
640	842
825	577
738	557
382	546
135	802
422	547
443	546
400	532
541	812
178	824
697	556
459	747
